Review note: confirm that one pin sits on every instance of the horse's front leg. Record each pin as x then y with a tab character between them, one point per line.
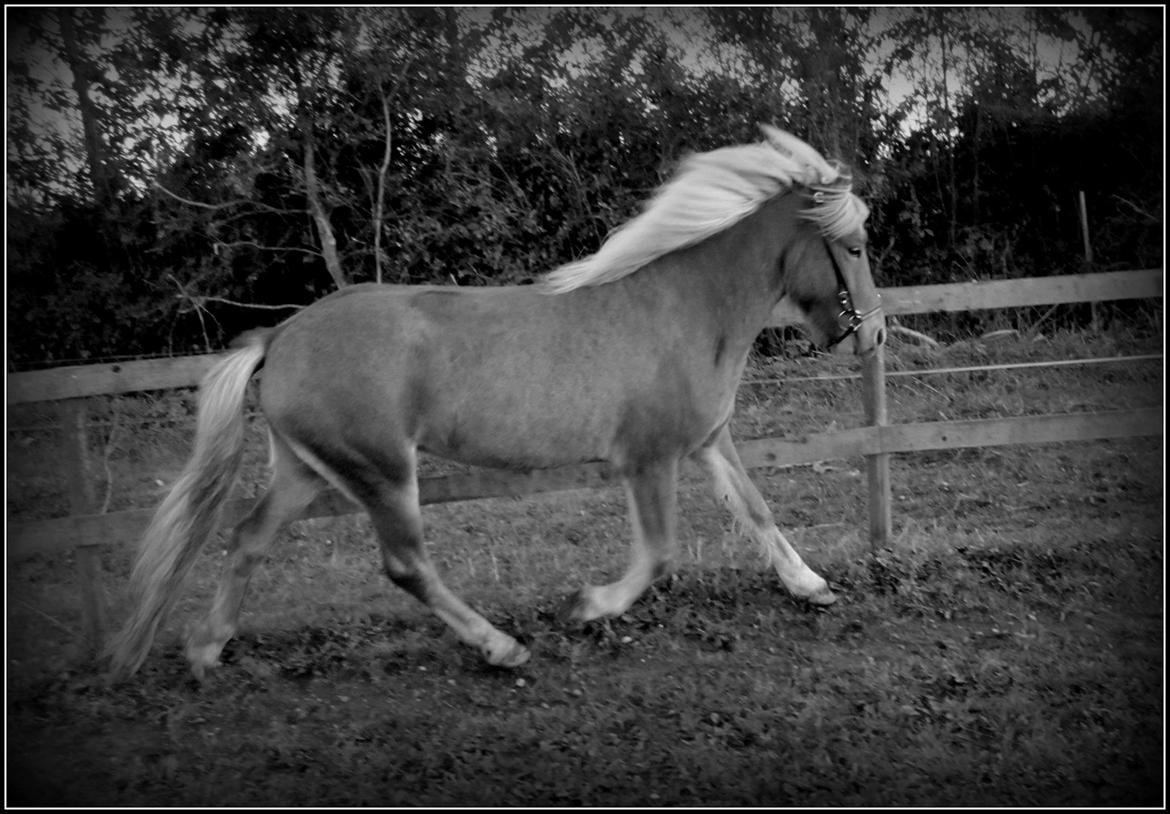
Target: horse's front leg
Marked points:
734	489
652	493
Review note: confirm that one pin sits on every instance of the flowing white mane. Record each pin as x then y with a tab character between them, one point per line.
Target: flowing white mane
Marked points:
711	192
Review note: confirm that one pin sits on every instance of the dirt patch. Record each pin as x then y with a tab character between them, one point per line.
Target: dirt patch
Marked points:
1005	650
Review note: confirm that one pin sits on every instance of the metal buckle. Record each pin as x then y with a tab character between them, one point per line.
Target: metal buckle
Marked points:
852	319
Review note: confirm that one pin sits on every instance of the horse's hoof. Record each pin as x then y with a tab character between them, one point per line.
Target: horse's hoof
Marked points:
114	671
515	655
199	670
576	609
822	597
119	663
202	658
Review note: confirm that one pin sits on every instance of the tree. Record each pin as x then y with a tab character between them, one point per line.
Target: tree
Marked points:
199	164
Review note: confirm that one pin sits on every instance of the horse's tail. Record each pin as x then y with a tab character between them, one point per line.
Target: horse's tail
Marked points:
192	510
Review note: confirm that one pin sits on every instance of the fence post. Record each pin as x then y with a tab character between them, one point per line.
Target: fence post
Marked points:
1084	210
877	466
71	414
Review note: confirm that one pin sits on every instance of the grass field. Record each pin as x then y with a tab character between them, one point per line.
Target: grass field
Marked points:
1005	650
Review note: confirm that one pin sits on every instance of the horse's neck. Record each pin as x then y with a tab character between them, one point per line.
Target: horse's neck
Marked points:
730	282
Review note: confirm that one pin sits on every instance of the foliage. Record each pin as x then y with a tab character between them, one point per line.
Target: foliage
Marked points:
171	168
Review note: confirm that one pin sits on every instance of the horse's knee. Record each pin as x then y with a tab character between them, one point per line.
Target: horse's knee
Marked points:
754	512
406	574
413	582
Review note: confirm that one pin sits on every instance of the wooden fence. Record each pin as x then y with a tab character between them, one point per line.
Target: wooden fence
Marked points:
84	531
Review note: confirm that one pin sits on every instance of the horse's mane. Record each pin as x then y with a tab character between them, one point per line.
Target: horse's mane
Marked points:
711	192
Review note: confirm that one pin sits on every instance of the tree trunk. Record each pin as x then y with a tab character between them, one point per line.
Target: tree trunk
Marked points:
94	149
823	84
952	182
318	212
379	204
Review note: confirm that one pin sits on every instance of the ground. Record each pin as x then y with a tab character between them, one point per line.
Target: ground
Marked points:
1006	648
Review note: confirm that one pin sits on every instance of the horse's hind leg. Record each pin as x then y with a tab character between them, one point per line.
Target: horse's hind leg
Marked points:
733	487
652	495
293	488
394	509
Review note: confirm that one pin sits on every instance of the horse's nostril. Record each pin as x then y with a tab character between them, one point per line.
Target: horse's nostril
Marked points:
880	339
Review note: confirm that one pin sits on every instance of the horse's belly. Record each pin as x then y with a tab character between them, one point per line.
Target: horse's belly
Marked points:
514	436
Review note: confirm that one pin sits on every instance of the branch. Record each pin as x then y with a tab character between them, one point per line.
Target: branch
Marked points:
235	243
381	192
198	307
56	622
1031	332
189	202
249	305
261	207
920	338
1150	216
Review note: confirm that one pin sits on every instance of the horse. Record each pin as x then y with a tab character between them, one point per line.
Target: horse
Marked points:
631	355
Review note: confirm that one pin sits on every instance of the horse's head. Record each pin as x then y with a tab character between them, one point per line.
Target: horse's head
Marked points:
827	281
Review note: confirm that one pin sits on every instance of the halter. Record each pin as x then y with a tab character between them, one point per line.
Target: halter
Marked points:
849	319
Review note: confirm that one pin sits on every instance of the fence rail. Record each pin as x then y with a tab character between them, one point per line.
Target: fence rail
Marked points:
187	371
85	531
1022	292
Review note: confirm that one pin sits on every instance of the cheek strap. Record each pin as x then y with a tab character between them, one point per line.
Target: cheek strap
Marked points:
848	318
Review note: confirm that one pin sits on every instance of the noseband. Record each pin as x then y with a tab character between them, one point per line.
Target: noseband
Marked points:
849	319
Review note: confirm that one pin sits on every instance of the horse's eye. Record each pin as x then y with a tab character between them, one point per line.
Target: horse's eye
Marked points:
855	251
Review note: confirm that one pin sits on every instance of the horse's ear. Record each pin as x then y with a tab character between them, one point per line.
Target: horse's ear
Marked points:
775	136
804	155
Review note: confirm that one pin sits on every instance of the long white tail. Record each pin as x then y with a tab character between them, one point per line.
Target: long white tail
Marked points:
192	510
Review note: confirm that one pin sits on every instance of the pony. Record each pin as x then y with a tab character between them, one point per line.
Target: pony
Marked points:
631	355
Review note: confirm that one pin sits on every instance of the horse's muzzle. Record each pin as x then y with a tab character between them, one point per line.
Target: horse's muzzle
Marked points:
870	331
